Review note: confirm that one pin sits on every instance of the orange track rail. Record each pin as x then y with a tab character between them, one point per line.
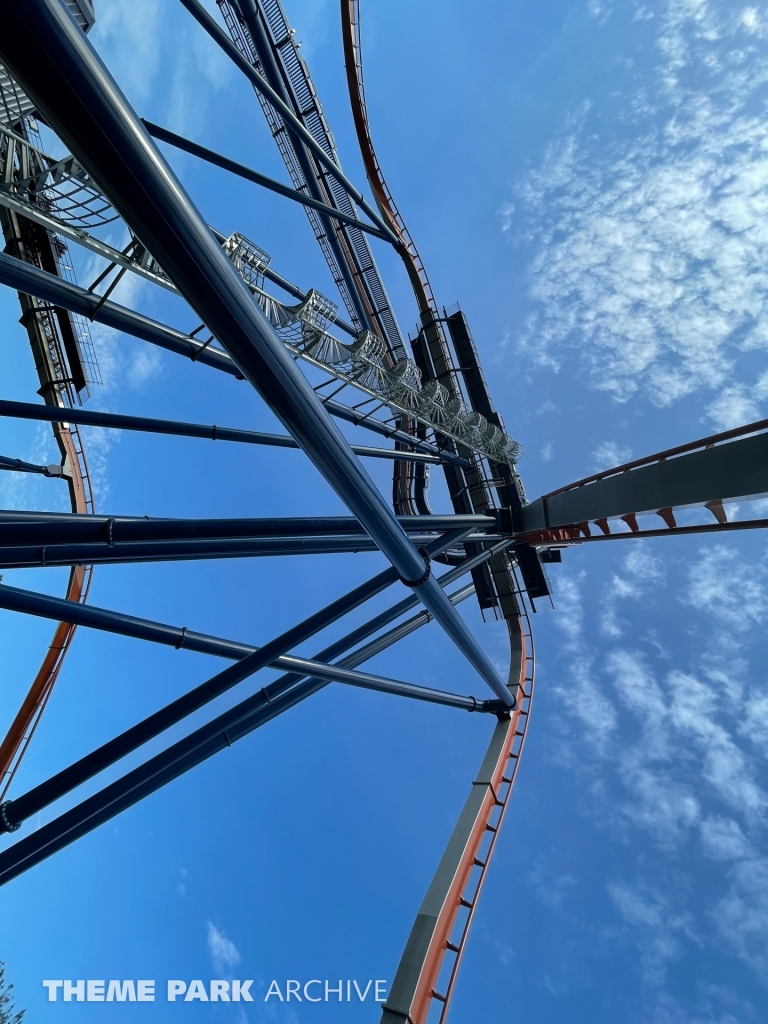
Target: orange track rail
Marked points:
18	738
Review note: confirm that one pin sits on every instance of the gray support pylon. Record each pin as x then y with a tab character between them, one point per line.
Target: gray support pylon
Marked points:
56	65
736	470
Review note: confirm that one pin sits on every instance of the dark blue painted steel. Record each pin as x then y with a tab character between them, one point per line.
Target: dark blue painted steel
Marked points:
44	49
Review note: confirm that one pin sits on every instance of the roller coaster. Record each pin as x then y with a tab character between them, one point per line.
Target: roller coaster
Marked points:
426	395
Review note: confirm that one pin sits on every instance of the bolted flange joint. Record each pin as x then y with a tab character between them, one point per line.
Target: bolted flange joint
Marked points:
427	571
5	824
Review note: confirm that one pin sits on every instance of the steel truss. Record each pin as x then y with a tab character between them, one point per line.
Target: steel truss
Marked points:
437	410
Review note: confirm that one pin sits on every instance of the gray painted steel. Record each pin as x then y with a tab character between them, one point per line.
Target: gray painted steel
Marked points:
398	1005
734	471
211	157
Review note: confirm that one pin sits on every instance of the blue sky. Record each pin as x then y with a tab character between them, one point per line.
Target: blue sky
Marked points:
589	181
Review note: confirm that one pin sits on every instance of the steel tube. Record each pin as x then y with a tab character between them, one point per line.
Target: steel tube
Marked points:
118	421
32	281
19	466
187	146
28	279
103	553
65	527
45	50
187	753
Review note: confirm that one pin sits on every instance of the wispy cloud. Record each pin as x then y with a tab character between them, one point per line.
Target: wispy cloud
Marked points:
223	952
651	265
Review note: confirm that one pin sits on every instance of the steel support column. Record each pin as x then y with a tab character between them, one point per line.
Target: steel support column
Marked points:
28	279
51	58
186	754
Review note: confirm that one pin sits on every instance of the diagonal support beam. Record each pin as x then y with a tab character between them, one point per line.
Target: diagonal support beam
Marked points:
28	279
44	49
187	146
218	35
19	466
181	757
144	629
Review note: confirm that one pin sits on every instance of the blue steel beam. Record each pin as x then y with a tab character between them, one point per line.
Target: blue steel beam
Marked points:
45	50
19	466
104	553
211	157
28	279
293	123
244	718
36	528
118	421
45	606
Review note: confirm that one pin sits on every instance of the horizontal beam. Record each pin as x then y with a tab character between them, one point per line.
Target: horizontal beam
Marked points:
19	466
734	471
118	421
103	553
33	528
31	280
211	157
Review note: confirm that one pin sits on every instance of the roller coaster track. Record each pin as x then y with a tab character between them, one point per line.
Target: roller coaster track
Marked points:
17	739
480	459
19	156
353	62
428	971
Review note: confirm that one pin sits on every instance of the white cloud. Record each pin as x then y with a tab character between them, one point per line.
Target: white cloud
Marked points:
651	263
610	454
585	700
128	37
222	951
655	928
733	407
641	564
723	839
569	612
741	916
551	887
727	588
